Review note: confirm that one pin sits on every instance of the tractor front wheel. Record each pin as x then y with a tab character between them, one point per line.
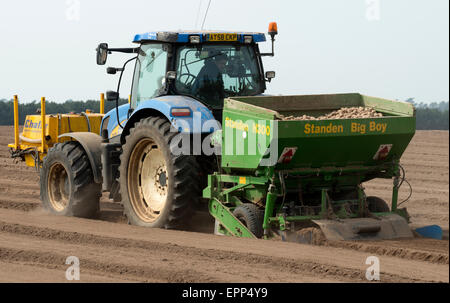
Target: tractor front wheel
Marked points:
67	182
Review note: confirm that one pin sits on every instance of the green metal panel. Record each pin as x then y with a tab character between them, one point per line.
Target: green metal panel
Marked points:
247	132
310	104
303	103
344	142
319	142
389	107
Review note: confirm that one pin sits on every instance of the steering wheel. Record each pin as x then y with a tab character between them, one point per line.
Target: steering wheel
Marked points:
189	76
246	87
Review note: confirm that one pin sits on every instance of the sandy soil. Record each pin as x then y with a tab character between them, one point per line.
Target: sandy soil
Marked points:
34	245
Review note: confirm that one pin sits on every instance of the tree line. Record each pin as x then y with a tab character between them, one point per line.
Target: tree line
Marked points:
432	116
32	108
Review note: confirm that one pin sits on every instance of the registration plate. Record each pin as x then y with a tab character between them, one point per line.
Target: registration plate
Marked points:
222	37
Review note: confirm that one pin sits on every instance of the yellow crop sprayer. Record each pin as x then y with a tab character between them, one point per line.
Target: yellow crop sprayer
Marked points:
36	138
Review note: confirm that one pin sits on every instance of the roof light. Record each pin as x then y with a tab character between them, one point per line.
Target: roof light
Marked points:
270	75
180	112
248	39
273	28
194	39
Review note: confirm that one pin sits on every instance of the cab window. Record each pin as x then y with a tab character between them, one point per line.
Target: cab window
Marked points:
149	74
217	71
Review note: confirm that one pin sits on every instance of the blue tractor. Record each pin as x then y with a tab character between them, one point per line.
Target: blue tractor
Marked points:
150	154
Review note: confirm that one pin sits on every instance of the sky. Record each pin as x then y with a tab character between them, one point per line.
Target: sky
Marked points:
394	49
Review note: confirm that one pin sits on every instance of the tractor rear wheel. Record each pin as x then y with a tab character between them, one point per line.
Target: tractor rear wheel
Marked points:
252	217
377	205
67	182
158	188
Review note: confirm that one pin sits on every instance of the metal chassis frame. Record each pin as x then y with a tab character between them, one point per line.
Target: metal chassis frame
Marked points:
223	201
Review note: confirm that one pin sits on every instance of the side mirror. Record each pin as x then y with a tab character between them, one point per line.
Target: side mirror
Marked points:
270	75
112	95
102	53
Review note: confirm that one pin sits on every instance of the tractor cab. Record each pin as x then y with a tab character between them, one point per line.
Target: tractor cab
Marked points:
205	65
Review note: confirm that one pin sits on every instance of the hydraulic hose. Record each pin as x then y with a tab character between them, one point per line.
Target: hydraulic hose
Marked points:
87	121
118	89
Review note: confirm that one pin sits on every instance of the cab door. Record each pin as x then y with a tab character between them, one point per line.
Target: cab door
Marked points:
149	73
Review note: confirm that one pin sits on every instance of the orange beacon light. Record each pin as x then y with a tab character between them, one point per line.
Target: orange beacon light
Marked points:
273	29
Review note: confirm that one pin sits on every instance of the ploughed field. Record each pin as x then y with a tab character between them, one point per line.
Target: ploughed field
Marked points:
34	245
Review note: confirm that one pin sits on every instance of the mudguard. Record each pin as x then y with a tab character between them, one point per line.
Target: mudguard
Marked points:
91	144
201	119
111	119
164	105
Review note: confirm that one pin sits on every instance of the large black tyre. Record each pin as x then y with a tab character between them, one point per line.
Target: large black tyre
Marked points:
67	182
377	205
252	217
158	188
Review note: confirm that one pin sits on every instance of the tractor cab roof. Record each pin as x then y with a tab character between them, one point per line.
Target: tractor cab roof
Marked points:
204	36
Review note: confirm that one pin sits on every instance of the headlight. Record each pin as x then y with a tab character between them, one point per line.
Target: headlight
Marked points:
194	39
248	39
